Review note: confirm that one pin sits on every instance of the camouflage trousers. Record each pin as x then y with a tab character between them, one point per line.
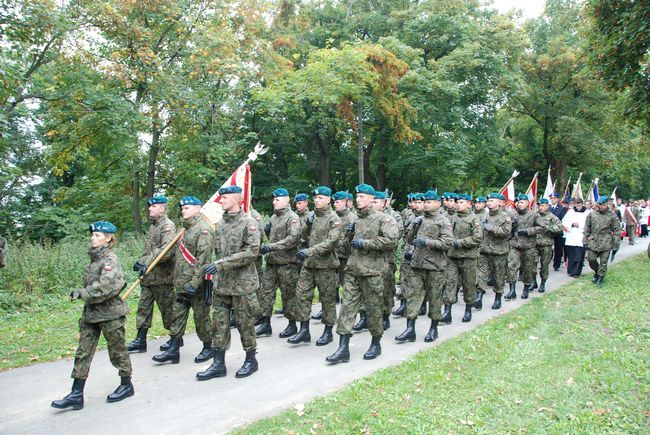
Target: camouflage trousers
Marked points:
450	287
405	273
326	281
425	285
389	288
358	290
113	331
181	312
544	256
163	296
462	271
341	270
284	276
497	265
482	273
521	262
598	261
630	230
246	309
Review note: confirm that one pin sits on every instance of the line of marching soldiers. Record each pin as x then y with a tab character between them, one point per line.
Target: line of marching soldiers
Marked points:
442	245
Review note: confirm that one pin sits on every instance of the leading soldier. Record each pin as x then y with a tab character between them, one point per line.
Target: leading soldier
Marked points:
601	227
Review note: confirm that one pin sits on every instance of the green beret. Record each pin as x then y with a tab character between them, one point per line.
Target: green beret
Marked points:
430	195
380	195
417	196
102	227
192	200
301	197
480	199
340	195
279	192
322	190
157	200
365	188
464	196
521	197
542	201
350	196
229	190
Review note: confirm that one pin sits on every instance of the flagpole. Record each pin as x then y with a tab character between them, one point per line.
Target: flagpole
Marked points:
566	189
505	186
530	186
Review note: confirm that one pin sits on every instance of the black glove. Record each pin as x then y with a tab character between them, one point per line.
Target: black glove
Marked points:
140	267
75	294
357	243
455	244
302	254
190	290
265	249
523	232
420	242
267	229
310	218
408	255
210	268
349	228
418	221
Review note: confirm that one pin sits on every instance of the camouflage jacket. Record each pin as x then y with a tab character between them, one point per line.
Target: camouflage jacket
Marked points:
302	215
398	220
379	234
435	228
407	216
552	226
322	238
199	241
529	221
103	282
408	225
284	238
497	228
160	233
343	248
600	230
237	243
469	234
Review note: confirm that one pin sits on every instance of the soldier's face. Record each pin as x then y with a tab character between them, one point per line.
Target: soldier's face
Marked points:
463	205
378	204
301	205
450	204
418	205
189	211
543	208
479	206
350	203
231	202
431	205
602	207
364	200
522	205
98	239
412	205
157	210
280	202
322	201
554	200
493	203
340	204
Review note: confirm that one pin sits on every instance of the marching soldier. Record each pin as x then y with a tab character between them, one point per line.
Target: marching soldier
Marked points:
319	268
282	267
497	229
104	313
157	285
617	236
374	238
381	204
462	258
601	228
546	240
301	202
237	244
482	270
450	291
406	272
521	258
260	225
193	289
408	215
431	236
347	220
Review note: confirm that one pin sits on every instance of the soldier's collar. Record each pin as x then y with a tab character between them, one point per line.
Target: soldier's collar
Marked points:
98	252
322	211
281	211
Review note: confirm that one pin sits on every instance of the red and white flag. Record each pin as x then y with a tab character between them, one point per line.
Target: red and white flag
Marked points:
531	193
550	186
508	190
242	178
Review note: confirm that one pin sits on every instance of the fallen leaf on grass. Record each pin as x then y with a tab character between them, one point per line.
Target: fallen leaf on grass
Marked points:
570	381
300	409
518	401
570	417
33	358
532	337
374	413
511	326
542	409
600	411
467	422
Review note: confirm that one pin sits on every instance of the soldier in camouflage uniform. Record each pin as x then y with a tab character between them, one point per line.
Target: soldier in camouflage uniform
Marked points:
431	236
319	268
408	215
462	258
156	285
374	238
601	228
482	270
237	244
260	225
104	313
617	237
301	202
381	204
282	267
545	243
193	250
521	259
497	230
450	292
347	220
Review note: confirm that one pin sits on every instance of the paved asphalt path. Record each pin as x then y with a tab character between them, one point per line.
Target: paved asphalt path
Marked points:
169	400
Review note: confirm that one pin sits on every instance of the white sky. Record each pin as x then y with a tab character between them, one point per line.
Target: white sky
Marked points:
530	8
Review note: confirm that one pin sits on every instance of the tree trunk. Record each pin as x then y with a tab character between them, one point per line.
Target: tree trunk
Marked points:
382	160
153	159
135	199
324	160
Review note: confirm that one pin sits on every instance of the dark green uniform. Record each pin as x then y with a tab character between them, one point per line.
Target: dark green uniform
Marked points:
104	313
462	260
260	225
521	259
405	271
302	215
552	226
343	247
497	228
449	289
601	227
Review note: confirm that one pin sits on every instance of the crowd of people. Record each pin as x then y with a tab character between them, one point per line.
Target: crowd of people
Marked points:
348	248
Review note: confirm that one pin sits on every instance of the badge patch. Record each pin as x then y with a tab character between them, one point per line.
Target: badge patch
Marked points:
167	229
108	268
204	231
253	228
335	224
294	221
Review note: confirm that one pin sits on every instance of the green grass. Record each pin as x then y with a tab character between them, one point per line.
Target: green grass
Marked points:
574	361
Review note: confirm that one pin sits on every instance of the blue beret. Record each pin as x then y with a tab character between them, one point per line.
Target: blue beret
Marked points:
280	192
350	196
365	188
191	200
340	195
542	201
157	200
430	195
322	190
380	195
301	197
555	195
602	199
417	196
480	199
464	196
230	189
521	197
102	227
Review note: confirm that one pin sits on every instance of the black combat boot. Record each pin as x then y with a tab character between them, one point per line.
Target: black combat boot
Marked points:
318	316
375	348
409	332
478	300
600	283
264	328
524	292
362	323
612	256
217	369
171	354
326	338
250	365
533	286
342	354
233	320
140	343
124	390
75	399
542	286
290	330
446	315
166	344
595	278
512	294
303	336
399	311
497	301
432	335
423	308
386	322
205	354
467	317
